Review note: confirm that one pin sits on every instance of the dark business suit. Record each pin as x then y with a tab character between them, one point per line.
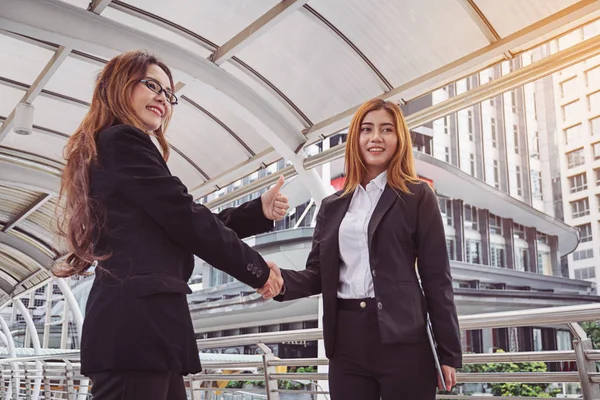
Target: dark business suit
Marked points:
402	228
137	316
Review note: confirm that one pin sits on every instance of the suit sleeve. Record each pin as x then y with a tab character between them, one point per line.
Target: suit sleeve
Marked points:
247	219
434	269
307	282
141	176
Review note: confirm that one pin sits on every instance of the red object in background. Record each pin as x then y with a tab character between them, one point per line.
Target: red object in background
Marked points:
429	181
338	183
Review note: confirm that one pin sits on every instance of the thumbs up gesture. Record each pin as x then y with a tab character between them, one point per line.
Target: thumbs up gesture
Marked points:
274	204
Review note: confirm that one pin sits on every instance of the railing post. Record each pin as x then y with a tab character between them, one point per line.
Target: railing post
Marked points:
195	389
581	344
46	380
69	383
270	385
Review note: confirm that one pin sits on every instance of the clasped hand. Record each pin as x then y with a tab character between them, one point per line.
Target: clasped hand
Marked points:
275	283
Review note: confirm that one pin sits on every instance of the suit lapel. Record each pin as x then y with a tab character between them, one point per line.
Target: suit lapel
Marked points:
336	210
385	202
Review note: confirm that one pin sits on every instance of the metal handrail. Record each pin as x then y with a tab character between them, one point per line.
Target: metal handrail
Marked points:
65	367
540	316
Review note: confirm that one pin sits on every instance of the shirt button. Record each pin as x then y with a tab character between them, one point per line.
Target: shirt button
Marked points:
379	305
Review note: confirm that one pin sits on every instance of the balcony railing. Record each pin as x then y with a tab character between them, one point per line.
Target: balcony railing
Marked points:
58	376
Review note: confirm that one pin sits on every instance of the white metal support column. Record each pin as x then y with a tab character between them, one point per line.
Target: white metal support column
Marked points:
35	341
78	318
12	352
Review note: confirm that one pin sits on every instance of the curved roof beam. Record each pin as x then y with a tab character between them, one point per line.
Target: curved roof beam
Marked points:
70	26
34	90
75	28
21	246
279	11
30	177
584	10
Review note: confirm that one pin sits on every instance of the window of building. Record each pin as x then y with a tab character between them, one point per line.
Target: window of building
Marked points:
537	340
569	87
492	102
595	126
585	233
519	181
596	150
470	127
583	254
521	259
446	124
56	289
597	171
592	77
473	251
513	100
536	185
470	217
41	290
516	138
496	175
493	127
575	158
450	248
495	224
563	340
447	154
39	302
585	273
25	302
472	163
497	255
570	111
518	231
580	208
578	182
446	210
572	134
594	101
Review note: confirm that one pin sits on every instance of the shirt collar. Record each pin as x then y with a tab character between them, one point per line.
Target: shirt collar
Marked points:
380	181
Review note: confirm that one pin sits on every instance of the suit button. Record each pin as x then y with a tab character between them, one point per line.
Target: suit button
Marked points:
249	267
363	304
374	274
379	305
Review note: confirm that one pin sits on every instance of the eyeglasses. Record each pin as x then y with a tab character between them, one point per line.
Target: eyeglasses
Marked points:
158	89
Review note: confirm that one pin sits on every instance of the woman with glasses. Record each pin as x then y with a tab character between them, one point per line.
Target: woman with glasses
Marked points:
126	213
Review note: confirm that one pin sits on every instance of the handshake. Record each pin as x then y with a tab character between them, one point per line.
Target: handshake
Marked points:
275	283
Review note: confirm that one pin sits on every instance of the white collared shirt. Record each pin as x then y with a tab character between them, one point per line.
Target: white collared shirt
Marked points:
355	271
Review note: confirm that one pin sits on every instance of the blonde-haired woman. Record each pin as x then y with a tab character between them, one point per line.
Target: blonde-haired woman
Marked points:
365	244
124	210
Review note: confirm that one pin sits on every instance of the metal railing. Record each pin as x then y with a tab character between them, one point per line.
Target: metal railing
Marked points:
58	376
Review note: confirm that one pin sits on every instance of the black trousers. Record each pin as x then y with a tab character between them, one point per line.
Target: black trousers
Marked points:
137	385
362	368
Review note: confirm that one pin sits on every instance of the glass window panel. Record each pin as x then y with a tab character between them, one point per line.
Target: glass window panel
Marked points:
21	60
58	115
9	99
404	30
571	111
572	134
155	30
315	69
75	78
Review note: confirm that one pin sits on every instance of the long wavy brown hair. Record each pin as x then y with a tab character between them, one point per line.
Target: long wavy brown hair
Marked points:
401	169
80	217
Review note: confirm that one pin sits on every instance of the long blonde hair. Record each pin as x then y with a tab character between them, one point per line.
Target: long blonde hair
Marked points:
401	169
81	217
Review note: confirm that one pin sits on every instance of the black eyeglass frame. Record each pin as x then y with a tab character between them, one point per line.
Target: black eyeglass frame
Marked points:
168	95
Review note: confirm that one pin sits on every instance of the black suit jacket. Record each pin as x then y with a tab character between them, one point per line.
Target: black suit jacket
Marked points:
402	228
137	316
